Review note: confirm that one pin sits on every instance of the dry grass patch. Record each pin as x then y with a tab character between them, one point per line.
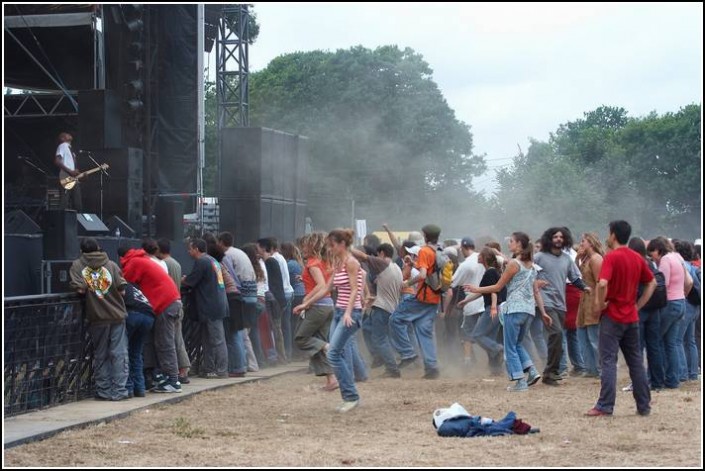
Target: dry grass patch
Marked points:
289	421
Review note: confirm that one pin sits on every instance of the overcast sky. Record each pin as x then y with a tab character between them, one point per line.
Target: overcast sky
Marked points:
515	71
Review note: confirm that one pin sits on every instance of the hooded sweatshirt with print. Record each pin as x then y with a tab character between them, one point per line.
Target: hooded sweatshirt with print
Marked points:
101	280
151	279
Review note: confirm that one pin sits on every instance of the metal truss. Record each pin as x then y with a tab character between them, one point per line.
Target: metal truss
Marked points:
233	66
38	105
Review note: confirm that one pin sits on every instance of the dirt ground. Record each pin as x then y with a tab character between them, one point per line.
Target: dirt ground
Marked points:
288	421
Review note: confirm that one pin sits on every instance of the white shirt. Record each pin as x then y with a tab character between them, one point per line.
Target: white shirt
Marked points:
285	273
470	272
64	150
159	262
263	285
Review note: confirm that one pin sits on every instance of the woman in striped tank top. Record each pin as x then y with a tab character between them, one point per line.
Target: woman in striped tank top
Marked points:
348	281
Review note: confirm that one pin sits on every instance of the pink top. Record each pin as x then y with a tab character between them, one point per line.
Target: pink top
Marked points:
341	281
671	265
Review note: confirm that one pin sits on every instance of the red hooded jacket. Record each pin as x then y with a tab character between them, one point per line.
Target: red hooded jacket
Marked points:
152	280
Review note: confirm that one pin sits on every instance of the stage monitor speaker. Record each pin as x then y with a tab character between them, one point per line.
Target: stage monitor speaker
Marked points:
99	119
116	224
17	222
90	225
170	219
60	234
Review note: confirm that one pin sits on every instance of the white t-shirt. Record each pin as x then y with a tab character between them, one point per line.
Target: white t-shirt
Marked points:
285	273
159	262
64	150
470	272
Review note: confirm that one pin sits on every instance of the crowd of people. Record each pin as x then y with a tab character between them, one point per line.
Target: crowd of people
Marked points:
534	310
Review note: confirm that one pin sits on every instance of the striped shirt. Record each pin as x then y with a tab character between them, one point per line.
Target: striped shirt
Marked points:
341	281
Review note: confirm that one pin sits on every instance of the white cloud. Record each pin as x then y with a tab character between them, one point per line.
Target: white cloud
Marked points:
514	71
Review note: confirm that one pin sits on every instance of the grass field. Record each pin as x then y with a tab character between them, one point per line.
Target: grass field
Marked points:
289	421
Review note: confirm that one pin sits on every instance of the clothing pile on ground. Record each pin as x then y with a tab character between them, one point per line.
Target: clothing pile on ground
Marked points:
455	421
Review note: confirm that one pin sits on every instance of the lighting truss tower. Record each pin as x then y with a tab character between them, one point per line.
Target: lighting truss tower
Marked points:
232	70
233	66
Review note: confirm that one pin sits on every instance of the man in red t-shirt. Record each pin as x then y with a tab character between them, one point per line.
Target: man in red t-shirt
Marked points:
420	311
622	271
161	292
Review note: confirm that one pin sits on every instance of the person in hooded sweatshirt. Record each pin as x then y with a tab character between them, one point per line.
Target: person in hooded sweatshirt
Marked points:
101	281
165	299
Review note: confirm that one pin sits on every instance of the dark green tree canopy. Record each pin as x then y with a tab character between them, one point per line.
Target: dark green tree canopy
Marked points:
608	166
380	131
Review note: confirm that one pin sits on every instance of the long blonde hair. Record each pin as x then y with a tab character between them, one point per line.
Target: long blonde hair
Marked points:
594	242
314	244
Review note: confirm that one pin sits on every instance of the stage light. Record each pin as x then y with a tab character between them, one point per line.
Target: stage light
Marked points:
135	104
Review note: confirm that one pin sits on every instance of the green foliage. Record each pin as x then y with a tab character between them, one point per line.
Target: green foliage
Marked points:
608	166
380	131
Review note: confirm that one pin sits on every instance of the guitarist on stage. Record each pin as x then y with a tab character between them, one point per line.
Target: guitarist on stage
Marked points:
66	161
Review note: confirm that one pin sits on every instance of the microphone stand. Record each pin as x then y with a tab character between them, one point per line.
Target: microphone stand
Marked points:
102	171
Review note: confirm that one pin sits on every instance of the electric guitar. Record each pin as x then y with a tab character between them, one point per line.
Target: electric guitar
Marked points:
68	182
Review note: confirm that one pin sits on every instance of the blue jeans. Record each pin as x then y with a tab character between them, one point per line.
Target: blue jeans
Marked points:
613	337
682	361
589	337
671	317
340	352
253	309
571	344
367	334
468	326
650	334
485	335
538	338
286	326
516	325
421	315
379	322
692	313
138	325
237	355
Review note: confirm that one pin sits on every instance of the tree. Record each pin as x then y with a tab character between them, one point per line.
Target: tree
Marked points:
380	132
609	166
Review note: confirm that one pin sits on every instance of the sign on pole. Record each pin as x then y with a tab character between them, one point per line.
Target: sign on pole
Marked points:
360	229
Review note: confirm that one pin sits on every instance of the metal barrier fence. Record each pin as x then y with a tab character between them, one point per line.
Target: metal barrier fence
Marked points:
49	354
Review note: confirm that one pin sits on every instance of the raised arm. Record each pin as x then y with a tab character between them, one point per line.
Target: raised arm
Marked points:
393	239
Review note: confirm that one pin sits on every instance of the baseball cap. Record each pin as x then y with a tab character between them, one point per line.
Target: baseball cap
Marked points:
413	250
467	242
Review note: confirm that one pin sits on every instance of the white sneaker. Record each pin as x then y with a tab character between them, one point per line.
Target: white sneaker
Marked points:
347	406
628	388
